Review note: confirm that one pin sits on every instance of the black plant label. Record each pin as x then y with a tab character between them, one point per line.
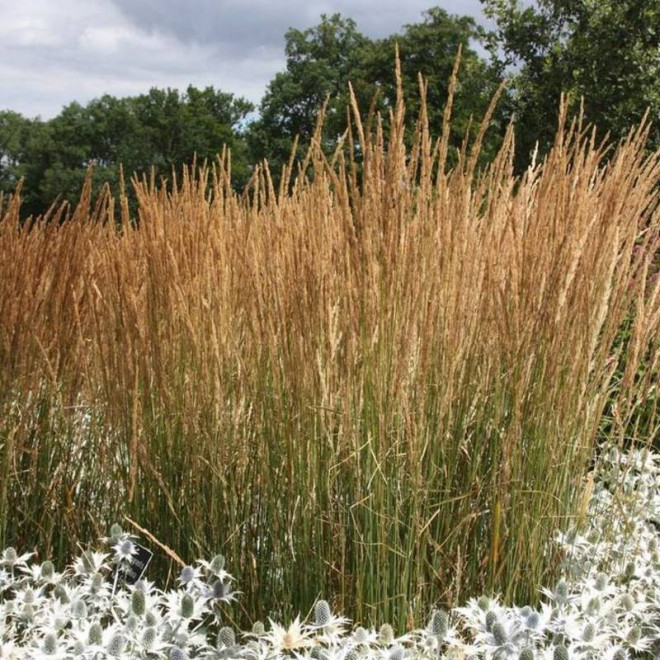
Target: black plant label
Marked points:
133	569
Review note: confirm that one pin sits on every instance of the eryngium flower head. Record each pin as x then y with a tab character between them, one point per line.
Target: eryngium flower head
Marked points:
47	570
178	654
187	575
386	634
149	635
217	564
187	606
226	637
95	635
288	639
499	634
138	602
116	532
50	644
439	624
491	619
116	645
322	613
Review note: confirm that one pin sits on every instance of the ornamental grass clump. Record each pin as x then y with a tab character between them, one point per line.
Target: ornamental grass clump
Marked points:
381	379
598	609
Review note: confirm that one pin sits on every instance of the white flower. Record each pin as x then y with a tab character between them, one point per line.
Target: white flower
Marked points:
293	638
91	562
330	628
124	550
11	559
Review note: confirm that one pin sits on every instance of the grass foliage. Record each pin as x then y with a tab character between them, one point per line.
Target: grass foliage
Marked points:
382	381
605	606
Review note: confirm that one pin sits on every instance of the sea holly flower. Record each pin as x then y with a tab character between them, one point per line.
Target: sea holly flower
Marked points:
10	559
328	628
216	568
220	592
124	550
293	638
91	562
190	577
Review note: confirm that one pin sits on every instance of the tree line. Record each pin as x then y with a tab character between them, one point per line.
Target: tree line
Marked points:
606	52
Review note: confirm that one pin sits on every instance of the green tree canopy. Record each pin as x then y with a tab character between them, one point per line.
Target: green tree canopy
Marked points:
162	129
322	60
607	51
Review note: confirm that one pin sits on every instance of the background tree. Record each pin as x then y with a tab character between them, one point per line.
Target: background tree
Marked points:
430	47
323	59
319	63
607	51
162	129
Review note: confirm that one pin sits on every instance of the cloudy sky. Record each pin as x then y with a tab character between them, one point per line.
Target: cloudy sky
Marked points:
55	51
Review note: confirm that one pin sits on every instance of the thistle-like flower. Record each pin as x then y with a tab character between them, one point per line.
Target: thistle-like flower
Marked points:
293	638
